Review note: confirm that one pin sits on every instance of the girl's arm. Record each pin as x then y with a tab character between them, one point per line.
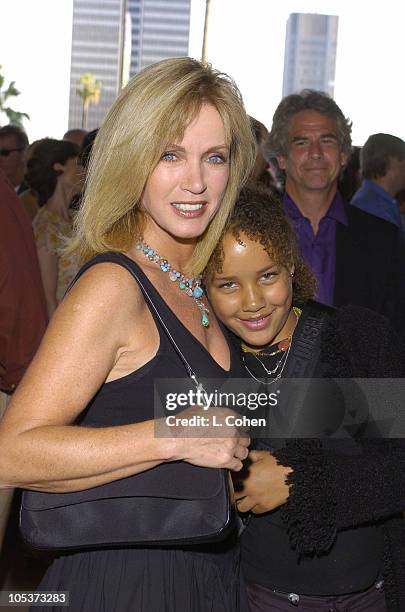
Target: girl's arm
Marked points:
330	492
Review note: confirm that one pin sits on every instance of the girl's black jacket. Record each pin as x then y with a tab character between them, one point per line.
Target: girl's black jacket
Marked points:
331	492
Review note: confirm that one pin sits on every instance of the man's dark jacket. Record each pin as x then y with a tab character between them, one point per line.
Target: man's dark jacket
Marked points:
370	266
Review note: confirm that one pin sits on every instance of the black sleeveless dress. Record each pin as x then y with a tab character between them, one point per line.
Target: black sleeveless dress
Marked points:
205	578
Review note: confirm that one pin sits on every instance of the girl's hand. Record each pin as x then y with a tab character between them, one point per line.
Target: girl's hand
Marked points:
264	487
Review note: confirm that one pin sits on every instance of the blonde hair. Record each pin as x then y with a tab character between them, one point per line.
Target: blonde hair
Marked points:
152	111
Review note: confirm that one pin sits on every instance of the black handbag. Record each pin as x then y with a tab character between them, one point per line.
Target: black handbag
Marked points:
172	504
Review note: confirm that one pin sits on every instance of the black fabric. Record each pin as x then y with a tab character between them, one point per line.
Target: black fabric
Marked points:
370	266
335	492
262	599
174	504
199	578
357	553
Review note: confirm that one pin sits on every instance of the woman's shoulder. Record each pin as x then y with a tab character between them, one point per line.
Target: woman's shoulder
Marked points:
357	321
105	280
44	216
39	219
364	323
103	294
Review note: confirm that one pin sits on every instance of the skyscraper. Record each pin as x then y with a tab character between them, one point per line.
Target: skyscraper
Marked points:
160	29
109	33
97	44
310	53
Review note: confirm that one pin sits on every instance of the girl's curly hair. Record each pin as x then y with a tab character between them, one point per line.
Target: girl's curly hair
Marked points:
261	217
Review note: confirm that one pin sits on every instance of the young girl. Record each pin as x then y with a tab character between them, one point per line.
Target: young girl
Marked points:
326	531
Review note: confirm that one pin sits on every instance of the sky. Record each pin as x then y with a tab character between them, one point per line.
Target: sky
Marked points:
246	40
35	47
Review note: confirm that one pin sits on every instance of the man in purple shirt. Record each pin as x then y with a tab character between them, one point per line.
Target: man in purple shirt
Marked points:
357	258
319	248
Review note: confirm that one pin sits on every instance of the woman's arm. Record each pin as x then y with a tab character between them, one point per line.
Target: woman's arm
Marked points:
102	318
48	265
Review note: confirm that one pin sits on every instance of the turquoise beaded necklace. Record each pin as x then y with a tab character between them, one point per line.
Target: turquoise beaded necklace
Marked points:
190	286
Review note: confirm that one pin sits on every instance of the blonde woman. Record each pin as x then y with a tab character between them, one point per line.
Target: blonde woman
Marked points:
166	167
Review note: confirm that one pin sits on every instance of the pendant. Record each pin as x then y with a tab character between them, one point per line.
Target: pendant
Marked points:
205	320
284	344
198	292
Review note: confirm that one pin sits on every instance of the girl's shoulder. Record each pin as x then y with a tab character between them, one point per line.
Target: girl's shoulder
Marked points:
368	340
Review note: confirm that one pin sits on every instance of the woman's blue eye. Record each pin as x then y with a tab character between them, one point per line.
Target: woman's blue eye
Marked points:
216	159
168	156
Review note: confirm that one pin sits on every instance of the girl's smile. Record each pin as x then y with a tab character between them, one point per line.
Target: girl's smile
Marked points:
252	295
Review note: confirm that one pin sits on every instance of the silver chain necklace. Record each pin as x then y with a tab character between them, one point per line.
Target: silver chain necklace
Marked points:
280	363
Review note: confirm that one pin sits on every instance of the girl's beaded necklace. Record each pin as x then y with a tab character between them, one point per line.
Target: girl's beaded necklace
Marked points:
190	286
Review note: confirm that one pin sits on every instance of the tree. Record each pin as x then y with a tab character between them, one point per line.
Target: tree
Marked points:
11	91
89	90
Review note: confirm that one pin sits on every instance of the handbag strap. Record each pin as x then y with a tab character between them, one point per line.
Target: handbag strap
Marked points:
128	264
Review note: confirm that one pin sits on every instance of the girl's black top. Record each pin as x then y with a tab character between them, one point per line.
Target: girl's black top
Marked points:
300	547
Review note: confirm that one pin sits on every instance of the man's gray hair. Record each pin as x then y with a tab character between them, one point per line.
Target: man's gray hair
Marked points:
307	99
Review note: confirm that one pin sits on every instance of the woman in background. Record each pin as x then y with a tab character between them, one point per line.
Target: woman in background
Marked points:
55	174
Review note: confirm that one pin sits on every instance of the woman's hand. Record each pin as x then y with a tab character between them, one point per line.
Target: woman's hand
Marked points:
264	487
208	438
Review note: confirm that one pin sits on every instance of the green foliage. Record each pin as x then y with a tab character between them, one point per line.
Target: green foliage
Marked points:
11	91
89	89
